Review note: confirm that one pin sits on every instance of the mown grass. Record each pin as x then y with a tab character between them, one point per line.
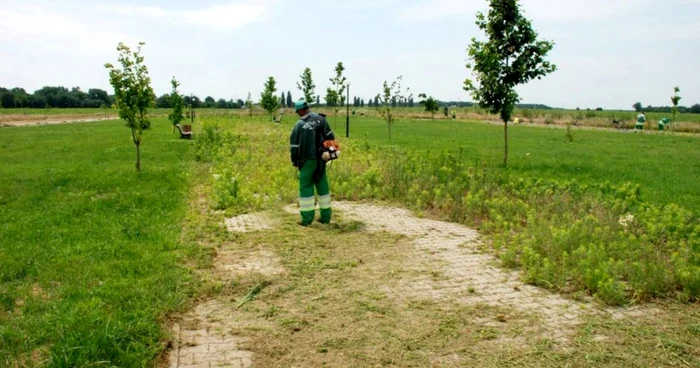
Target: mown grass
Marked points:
666	167
91	260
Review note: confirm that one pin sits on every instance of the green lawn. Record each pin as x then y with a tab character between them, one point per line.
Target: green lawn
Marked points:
666	167
90	252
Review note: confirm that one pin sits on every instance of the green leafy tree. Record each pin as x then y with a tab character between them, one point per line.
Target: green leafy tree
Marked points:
307	86
209	102
290	102
283	99
133	93
268	100
385	101
431	105
511	56
177	103
339	83
637	107
249	104
675	99
331	98
318	99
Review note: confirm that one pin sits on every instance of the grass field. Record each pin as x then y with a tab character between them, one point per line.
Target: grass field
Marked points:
95	258
666	167
91	260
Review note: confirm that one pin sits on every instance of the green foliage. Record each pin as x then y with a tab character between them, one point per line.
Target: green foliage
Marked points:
268	100
177	104
99	262
133	93
331	98
307	86
339	83
510	56
385	102
675	99
431	105
637	107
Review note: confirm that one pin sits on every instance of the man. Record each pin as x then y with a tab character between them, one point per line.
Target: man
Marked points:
306	143
663	123
641	120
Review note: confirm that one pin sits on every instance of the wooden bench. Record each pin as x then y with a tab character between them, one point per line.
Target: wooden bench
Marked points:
185	131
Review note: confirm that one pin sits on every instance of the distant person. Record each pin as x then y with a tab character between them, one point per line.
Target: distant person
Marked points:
641	120
447	112
307	153
454	114
663	123
517	121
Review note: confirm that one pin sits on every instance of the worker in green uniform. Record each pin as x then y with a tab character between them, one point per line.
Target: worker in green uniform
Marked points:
663	123
641	120
306	144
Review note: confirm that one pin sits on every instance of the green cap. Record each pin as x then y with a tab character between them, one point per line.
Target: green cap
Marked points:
301	104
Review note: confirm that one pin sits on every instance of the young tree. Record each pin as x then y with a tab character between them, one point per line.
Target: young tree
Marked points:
675	99
249	104
307	86
387	101
133	93
177	103
268	100
290	102
512	55
431	104
339	86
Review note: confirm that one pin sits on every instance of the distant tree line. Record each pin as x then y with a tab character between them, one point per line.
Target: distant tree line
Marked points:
209	102
695	109
60	97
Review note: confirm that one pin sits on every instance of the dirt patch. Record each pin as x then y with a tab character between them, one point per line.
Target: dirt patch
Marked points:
231	263
33	120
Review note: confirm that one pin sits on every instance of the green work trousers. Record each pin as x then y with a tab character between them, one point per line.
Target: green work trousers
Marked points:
307	204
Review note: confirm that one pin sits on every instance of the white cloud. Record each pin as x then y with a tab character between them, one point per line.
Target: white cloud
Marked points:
549	10
41	25
221	17
342	5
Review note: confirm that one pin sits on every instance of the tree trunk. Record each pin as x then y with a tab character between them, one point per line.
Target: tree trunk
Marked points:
138	156
505	135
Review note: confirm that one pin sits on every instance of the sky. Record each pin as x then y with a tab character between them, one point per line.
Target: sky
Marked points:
609	54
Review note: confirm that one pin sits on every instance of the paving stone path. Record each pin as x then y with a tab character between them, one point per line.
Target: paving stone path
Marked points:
450	251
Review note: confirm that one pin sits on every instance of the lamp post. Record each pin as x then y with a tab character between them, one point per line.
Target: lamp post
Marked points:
192	108
347	115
